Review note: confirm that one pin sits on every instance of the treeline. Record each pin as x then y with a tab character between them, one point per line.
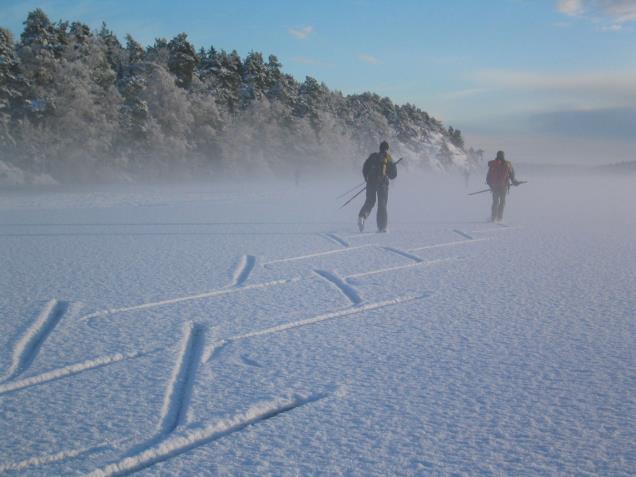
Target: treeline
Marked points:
78	104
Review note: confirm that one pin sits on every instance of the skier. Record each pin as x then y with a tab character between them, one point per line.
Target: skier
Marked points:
500	176
377	170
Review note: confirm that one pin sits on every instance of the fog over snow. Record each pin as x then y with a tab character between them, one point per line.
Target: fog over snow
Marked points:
248	328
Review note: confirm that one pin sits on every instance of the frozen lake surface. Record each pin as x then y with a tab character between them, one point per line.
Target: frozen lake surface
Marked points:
249	329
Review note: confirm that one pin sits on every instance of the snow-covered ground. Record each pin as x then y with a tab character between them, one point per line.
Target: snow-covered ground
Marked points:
249	329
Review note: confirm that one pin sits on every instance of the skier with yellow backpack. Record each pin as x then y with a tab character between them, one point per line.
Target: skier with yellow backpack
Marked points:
377	170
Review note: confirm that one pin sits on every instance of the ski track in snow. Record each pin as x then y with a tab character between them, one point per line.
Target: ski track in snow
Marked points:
463	234
29	345
177	445
498	229
327	316
400	267
173	438
347	290
179	390
397	251
172	301
52	458
66	371
319	254
448	244
337	239
243	270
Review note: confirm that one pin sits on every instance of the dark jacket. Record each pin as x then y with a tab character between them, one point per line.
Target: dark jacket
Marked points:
379	168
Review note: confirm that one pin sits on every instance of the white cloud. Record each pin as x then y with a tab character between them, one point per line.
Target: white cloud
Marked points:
302	33
619	11
372	60
570	7
581	89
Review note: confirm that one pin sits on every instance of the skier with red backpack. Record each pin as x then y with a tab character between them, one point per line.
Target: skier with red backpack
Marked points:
500	176
377	170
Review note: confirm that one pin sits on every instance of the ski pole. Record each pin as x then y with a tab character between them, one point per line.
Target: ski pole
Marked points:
486	190
359	192
350	190
480	191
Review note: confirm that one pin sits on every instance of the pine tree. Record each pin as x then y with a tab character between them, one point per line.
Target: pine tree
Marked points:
182	60
134	49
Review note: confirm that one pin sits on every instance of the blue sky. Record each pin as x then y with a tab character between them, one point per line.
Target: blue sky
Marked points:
548	80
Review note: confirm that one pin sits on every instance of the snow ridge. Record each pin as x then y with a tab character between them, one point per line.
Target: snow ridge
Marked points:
328	316
177	445
66	371
448	244
347	290
401	267
222	291
243	270
463	234
397	251
49	459
179	391
29	345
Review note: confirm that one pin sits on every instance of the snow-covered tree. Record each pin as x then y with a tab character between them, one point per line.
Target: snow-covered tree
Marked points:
77	100
182	60
11	87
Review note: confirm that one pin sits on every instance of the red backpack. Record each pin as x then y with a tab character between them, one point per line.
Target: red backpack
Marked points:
498	174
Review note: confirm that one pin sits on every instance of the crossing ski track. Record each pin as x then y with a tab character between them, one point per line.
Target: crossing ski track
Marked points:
169	440
29	345
178	444
180	387
347	290
420	348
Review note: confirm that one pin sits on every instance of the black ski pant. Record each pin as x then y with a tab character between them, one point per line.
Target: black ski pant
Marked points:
498	202
382	193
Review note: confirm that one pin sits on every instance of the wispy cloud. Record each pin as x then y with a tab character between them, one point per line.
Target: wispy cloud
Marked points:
618	11
613	27
463	93
302	33
596	89
570	7
369	59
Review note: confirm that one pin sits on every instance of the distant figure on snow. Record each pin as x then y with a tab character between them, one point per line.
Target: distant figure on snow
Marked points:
377	171
500	176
